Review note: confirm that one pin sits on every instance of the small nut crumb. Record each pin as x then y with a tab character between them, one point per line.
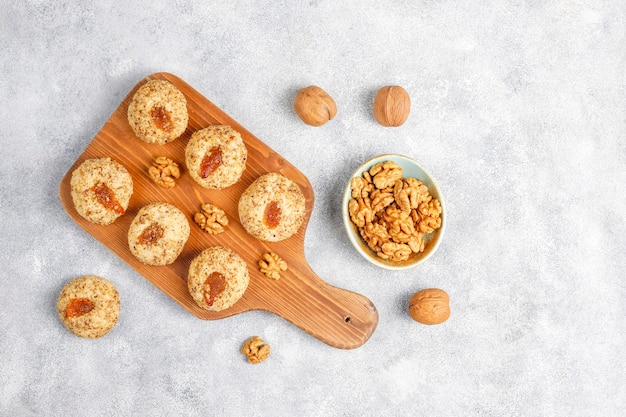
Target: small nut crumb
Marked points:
255	349
163	172
211	219
271	265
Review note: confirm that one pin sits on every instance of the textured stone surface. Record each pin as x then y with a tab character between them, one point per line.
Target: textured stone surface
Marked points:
518	110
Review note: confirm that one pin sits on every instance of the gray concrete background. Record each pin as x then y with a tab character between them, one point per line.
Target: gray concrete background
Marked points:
518	110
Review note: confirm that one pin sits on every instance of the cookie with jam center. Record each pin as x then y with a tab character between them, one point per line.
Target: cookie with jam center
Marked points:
89	306
158	112
272	208
101	189
158	234
218	277
216	157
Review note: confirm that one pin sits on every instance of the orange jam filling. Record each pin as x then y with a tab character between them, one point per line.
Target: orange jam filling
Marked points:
214	285
151	234
162	118
106	197
271	216
78	307
211	161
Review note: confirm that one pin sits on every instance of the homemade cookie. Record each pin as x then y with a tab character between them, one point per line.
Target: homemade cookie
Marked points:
89	306
101	189
158	112
272	208
216	156
218	278
158	233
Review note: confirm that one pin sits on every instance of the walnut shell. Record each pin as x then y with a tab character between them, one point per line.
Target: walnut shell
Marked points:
392	105
314	106
430	306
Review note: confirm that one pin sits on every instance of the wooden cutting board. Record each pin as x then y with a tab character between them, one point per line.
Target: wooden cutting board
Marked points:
338	317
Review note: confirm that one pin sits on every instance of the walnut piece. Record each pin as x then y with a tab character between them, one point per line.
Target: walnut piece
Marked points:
380	200
385	174
361	187
361	211
375	235
255	349
163	172
271	265
211	219
393	214
395	251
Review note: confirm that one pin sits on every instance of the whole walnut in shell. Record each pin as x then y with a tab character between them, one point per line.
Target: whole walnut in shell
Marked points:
314	106
392	105
430	306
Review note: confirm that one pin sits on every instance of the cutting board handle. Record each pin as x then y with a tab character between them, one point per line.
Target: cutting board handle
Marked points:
337	317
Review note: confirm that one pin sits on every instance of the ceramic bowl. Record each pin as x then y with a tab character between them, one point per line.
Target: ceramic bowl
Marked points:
410	168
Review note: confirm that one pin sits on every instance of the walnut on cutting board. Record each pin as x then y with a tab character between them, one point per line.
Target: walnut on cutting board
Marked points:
271	265
164	171
211	219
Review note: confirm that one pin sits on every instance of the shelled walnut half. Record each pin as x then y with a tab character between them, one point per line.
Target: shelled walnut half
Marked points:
211	219
164	171
271	265
255	349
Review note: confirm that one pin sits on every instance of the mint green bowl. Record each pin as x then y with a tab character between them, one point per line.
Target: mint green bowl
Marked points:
410	168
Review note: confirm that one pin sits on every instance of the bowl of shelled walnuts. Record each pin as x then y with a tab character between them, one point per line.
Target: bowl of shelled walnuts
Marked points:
393	212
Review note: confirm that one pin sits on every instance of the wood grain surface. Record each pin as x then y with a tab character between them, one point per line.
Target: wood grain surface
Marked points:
337	317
